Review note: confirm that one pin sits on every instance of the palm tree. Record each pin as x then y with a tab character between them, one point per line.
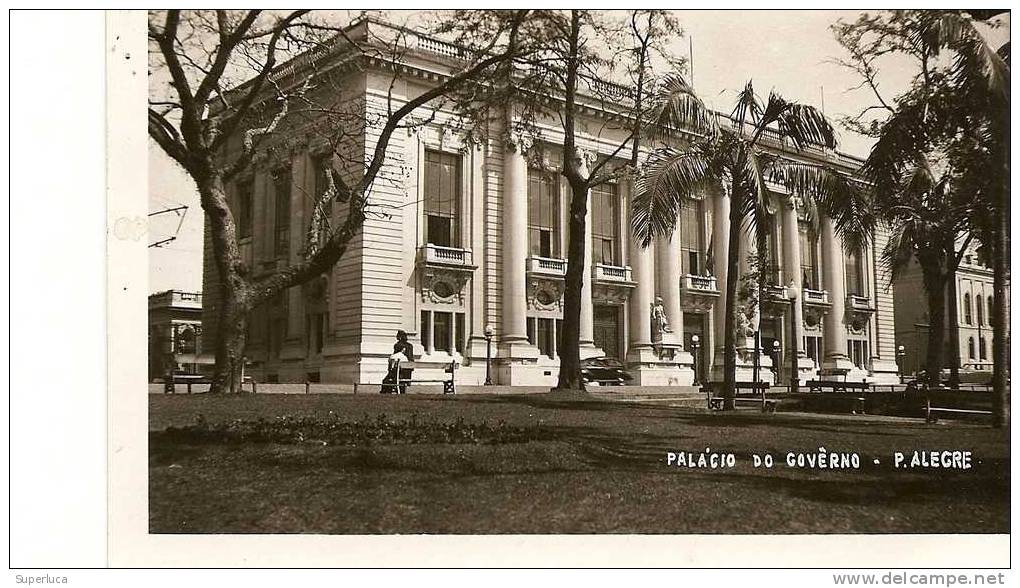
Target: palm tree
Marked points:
733	152
981	77
949	135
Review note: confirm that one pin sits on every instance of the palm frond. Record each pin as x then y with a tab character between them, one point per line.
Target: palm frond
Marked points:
677	108
747	104
833	194
669	179
805	125
899	249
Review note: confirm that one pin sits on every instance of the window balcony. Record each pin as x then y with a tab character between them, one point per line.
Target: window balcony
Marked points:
816	297
450	257
858	303
698	293
777	293
612	273
547	266
699	284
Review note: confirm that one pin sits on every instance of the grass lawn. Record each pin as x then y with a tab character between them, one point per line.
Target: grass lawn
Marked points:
601	468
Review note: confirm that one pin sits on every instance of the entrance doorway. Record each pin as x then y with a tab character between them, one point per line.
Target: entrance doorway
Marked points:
606	329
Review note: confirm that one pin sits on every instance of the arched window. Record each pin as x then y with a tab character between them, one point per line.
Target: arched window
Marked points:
967	316
980	309
970	347
981	348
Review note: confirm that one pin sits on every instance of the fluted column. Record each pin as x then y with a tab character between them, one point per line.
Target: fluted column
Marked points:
720	251
791	270
640	303
515	242
667	264
832	270
586	326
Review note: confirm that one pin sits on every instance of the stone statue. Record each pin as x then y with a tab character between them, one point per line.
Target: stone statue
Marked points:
660	324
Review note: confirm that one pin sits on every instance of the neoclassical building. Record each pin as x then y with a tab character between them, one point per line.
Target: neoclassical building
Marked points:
975	295
469	238
175	333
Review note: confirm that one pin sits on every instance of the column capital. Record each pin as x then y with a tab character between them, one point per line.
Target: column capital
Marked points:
519	141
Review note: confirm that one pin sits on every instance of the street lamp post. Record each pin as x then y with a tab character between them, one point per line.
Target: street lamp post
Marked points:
901	353
792	347
777	367
695	344
488	355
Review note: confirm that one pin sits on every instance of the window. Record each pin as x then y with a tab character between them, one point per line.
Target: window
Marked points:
244	209
543	213
770	258
854	274
813	349
689	233
276	329
186	341
277	333
809	259
605	224
991	313
858	353
981	348
544	334
315	332
970	347
458	332
442	199
426	330
322	164
980	310
281	189
967	316
442	331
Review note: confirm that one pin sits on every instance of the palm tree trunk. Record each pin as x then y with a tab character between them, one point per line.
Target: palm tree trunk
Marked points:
763	269
732	275
935	289
1000	329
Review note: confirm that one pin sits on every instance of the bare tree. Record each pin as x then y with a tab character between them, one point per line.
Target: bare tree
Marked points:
211	123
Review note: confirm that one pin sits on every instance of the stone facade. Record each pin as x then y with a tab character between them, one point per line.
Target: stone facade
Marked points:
471	237
175	333
973	319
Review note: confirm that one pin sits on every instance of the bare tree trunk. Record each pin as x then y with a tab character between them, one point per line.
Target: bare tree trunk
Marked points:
234	289
732	275
570	352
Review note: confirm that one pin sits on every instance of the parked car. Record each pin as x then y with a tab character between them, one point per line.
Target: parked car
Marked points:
970	373
604	371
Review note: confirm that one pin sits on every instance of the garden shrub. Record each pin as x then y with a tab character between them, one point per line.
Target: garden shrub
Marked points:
333	430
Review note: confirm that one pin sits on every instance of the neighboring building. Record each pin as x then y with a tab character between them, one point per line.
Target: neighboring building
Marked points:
476	237
974	298
175	333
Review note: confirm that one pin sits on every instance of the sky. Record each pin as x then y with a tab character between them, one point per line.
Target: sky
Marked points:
789	51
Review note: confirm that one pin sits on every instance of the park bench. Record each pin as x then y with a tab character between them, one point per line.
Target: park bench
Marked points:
170	384
837	386
931	412
449	387
756	395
